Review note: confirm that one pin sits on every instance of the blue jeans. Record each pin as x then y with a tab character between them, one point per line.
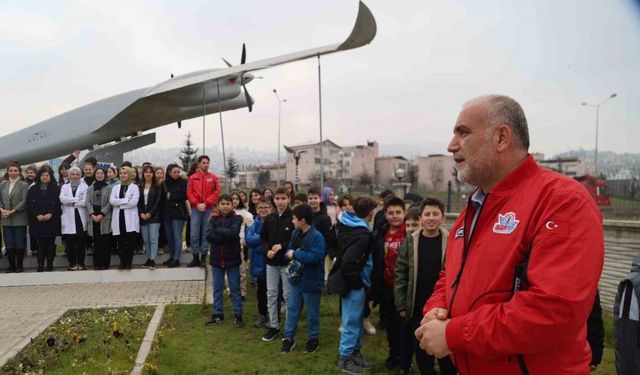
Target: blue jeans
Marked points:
352	316
173	229
233	276
199	221
312	304
15	237
150	233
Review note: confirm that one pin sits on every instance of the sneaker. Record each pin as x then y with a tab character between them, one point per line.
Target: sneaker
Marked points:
368	327
146	264
215	319
360	360
390	363
237	321
152	264
81	268
167	262
195	262
176	263
203	260
348	365
312	346
287	346
271	334
261	322
71	268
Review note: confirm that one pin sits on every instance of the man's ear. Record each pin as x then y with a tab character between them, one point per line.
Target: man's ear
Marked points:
505	137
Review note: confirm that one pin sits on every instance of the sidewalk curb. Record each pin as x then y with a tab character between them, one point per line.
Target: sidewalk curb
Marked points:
147	341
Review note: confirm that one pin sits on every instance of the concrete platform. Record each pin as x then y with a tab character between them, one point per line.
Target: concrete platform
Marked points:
62	276
60	261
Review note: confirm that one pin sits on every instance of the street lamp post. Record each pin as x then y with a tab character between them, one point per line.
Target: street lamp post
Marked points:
597	107
280	101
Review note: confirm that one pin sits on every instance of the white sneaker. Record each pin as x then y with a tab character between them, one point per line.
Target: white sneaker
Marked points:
368	327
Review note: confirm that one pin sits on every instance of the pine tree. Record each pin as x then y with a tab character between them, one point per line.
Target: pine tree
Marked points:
232	168
188	154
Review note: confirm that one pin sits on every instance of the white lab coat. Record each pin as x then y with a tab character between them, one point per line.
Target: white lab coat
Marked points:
130	206
69	204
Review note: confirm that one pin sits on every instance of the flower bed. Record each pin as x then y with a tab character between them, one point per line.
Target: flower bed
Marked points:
97	341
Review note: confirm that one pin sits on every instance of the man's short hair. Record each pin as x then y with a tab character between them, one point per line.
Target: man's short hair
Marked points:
392	201
280	191
202	157
302	197
314	191
429	201
413	214
363	205
303	212
386	193
265	200
127	164
91	160
502	109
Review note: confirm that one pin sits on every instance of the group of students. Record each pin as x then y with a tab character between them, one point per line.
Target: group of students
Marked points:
298	244
107	208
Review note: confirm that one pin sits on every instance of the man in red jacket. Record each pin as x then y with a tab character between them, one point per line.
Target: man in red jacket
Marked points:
523	258
202	192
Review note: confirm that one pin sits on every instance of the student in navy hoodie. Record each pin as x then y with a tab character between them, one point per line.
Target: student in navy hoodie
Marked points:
223	233
258	260
307	248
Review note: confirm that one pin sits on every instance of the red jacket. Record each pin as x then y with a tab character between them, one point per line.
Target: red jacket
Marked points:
203	188
546	321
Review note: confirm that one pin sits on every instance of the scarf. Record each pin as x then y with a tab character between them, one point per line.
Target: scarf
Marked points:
130	174
98	185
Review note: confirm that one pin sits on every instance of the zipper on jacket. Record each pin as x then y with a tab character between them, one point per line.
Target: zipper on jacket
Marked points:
221	248
467	247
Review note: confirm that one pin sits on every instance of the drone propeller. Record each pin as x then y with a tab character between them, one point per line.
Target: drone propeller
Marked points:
243	59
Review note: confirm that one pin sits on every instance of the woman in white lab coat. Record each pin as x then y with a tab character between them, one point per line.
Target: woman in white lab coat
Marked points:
125	222
74	218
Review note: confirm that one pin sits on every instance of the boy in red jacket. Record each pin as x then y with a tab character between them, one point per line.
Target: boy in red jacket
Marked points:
203	192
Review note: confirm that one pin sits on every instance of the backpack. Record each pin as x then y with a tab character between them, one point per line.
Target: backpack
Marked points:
626	323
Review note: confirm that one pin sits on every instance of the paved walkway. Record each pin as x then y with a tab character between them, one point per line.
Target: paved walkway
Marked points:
27	310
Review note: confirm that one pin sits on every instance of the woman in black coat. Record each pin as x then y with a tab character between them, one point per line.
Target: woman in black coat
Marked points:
43	205
174	212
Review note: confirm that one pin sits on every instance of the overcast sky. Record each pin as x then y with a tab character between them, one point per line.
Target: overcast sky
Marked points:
406	87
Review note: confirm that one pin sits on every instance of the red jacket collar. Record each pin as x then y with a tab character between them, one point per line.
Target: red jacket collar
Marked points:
526	170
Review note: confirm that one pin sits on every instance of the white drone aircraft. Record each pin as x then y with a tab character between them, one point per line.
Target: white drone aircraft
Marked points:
114	125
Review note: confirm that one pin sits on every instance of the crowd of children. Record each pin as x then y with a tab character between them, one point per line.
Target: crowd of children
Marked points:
384	254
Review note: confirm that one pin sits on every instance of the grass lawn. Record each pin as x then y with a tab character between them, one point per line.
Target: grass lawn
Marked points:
183	345
98	341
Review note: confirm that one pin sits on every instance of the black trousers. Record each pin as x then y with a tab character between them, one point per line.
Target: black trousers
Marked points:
101	250
261	293
127	244
75	246
410	345
391	322
46	250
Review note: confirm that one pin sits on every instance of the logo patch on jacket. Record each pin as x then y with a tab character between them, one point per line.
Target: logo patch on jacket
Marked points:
506	224
459	233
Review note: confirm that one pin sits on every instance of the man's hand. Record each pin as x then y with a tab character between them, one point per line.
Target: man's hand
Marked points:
290	254
270	254
201	207
47	217
433	339
436	313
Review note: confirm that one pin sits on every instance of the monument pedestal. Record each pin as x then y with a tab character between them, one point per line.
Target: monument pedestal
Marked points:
400	188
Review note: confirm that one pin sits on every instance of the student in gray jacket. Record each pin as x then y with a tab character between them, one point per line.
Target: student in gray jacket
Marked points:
13	209
99	228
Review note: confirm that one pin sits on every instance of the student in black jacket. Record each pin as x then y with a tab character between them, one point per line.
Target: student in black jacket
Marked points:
174	212
43	205
275	235
322	223
149	210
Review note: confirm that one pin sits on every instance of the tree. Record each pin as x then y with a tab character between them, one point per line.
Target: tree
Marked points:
188	154
364	179
413	174
232	168
263	179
